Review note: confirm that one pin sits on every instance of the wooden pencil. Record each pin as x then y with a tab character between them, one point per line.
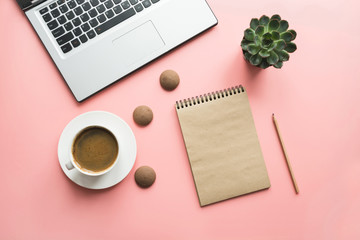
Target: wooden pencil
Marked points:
285	154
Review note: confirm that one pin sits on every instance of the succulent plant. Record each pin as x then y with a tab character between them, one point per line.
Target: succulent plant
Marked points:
268	42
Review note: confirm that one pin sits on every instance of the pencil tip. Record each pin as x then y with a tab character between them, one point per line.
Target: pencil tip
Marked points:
273	114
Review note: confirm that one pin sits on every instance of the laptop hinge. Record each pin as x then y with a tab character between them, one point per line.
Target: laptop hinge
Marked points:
28	4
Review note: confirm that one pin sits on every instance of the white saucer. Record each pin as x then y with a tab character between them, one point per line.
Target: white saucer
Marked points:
127	149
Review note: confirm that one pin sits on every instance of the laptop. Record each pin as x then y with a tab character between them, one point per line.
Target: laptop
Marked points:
94	43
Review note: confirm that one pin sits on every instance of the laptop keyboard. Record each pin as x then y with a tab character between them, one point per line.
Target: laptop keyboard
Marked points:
75	22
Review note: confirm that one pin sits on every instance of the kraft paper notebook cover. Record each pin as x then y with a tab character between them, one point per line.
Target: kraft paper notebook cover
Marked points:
222	145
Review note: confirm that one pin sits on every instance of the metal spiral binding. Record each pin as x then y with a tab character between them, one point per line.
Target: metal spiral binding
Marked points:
209	97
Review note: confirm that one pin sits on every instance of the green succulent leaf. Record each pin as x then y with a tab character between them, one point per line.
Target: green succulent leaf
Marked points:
275	35
247	56
278	64
264	20
253	49
280	45
266	43
245	43
267	35
284	25
287	36
272	46
244	46
276	16
266	40
264	64
264	53
293	33
290	47
273	58
274	24
255	59
249	34
260	30
283	55
254	23
257	40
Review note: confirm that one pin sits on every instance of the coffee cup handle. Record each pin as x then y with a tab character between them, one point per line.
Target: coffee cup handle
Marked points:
69	165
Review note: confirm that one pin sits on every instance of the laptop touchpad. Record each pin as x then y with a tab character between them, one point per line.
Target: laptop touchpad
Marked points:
138	43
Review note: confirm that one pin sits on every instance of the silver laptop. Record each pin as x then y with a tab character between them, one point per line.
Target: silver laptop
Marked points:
94	43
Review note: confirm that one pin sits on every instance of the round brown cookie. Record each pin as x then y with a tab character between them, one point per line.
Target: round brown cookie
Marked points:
169	80
145	176
143	115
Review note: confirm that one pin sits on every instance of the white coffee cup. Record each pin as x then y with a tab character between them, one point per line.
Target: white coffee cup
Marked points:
72	164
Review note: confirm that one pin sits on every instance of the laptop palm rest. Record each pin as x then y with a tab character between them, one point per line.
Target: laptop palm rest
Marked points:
137	44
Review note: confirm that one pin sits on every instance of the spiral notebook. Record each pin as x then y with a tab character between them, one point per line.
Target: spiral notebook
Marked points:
222	145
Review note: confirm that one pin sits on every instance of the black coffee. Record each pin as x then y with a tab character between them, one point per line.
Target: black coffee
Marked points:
95	149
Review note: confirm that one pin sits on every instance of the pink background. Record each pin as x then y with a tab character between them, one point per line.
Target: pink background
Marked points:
315	97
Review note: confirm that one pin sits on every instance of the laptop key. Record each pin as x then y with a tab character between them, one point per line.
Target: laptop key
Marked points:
117	1
86	6
93	22
125	5
64	8
91	34
133	2
65	38
78	11
101	18
66	48
139	7
94	3
55	13
76	22
44	10
83	38
80	1
114	21
155	1
117	9
108	4
77	31
93	13
47	17
62	19
53	5
75	43
85	17
100	8
68	26
58	32
53	24
71	4
109	14
70	15
59	2
85	27
146	3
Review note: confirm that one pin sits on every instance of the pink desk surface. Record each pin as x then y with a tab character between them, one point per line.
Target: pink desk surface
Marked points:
315	97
